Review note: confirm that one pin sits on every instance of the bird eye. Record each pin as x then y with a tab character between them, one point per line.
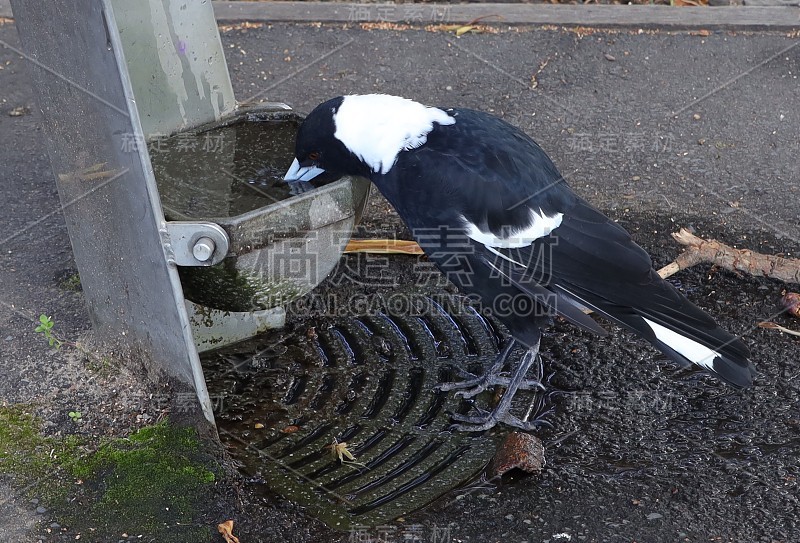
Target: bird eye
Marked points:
313	156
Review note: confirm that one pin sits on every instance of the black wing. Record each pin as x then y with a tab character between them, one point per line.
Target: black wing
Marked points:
593	260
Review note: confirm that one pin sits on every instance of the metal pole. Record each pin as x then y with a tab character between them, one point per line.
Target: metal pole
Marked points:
105	182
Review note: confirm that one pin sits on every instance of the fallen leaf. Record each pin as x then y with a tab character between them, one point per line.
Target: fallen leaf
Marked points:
19	111
384	25
518	451
343	453
258	425
469	27
290	429
464	29
383	246
791	301
226	529
241	26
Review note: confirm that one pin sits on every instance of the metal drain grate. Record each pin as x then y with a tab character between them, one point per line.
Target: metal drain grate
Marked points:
366	381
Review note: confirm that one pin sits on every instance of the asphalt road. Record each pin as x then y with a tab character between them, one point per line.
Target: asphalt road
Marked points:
659	130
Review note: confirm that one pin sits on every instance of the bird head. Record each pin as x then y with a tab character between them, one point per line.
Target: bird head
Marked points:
360	135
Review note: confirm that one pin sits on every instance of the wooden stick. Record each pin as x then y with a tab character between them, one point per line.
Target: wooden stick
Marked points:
383	246
737	260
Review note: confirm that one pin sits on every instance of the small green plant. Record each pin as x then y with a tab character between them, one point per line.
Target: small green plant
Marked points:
73	282
46	328
94	361
75	416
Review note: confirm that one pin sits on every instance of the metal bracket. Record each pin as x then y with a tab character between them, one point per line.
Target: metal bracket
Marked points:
188	243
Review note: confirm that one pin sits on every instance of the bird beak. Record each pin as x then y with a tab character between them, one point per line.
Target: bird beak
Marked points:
302	173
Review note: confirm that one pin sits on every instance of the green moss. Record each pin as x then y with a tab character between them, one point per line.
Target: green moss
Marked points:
24	452
149	483
227	288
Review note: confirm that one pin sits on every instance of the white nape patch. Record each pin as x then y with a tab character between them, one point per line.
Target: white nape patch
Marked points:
541	226
694	351
376	127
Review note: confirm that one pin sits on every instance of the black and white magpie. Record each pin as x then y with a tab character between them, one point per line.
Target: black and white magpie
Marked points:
490	209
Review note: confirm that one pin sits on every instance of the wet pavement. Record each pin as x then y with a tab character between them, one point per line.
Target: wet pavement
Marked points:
659	130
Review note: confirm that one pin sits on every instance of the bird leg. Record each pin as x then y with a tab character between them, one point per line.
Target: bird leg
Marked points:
501	413
491	377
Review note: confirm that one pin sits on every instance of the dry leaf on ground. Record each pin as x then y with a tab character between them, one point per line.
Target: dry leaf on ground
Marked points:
226	529
383	246
791	301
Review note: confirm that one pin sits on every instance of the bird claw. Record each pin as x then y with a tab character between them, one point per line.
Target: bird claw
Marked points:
493	376
466	389
487	421
472	387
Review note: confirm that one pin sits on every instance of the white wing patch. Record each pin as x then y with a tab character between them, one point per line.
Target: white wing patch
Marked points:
376	127
694	351
541	226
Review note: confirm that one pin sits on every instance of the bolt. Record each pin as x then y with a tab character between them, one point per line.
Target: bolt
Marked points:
203	249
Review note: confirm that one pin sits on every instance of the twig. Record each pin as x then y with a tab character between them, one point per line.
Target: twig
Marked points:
774	326
739	260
